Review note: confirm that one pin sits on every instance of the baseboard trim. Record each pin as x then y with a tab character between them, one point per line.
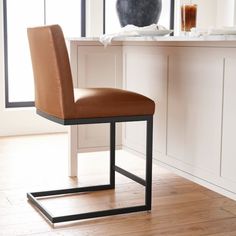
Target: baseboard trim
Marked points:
186	175
198	180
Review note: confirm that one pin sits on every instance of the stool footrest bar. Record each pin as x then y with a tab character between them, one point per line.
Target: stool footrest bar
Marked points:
130	175
96	214
32	197
72	190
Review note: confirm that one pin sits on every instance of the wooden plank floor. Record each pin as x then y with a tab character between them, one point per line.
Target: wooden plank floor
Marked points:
34	163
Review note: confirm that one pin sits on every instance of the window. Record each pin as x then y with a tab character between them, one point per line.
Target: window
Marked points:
112	24
18	16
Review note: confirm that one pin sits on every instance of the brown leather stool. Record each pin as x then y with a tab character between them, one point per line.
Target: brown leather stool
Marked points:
55	100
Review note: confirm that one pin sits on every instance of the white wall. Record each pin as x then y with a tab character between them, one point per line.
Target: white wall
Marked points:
207	12
94	19
225	12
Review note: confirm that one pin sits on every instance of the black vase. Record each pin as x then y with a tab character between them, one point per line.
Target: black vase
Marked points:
138	12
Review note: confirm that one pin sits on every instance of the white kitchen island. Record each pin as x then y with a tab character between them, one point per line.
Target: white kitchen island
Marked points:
192	81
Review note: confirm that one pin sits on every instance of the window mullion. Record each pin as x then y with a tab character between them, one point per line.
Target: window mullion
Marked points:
45	12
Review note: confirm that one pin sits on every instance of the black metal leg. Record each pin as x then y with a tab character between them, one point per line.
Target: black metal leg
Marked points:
112	153
35	197
149	138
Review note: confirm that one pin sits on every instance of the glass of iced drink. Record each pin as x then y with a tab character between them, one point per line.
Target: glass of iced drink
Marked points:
188	16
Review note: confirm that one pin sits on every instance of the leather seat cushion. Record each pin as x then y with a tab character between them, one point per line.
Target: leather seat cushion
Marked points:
110	102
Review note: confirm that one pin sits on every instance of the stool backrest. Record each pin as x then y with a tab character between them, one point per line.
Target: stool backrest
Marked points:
52	73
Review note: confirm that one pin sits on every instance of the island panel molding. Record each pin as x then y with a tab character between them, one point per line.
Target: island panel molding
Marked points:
193	82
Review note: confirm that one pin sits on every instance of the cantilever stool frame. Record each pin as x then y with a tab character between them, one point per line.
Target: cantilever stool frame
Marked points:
147	182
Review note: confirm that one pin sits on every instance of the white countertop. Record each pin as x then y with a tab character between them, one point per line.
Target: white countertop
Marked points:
163	38
205	41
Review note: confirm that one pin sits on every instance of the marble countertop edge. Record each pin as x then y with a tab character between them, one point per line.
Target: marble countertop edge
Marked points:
206	38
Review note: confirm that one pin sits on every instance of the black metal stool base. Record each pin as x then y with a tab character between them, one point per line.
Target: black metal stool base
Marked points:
35	197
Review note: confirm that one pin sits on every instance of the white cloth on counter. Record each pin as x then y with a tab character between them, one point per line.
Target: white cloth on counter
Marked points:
213	31
128	31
